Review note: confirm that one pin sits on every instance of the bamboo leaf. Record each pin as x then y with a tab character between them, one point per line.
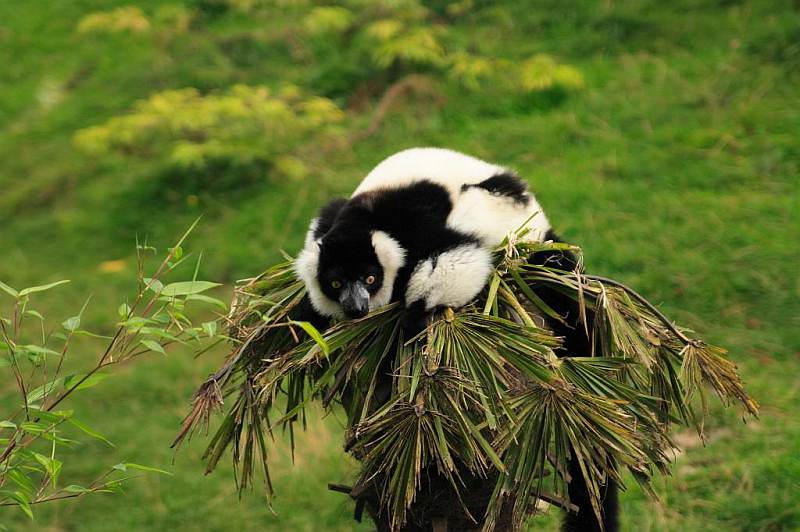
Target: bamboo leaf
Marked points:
128	465
92	380
315	335
480	392
42	288
90	432
186	288
8	290
152	345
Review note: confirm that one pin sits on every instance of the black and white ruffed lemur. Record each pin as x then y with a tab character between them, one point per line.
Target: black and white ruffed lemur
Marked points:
420	229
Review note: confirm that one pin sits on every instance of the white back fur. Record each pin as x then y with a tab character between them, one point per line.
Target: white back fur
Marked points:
476	211
448	168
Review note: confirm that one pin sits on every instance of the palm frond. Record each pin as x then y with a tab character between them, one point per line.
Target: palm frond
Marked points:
481	392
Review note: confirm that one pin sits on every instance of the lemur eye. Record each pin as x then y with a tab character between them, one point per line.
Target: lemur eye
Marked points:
336	284
370	279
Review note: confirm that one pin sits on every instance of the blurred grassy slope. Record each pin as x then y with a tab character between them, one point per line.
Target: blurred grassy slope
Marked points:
677	170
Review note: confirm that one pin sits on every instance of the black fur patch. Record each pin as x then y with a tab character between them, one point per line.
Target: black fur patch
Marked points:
346	258
305	311
563	260
415	216
504	185
585	520
576	342
415	319
327	215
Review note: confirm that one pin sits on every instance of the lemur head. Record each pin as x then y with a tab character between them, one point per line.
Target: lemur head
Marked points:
349	271
348	266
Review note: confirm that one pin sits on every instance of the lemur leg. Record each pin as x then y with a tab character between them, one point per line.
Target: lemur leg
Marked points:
585	519
450	278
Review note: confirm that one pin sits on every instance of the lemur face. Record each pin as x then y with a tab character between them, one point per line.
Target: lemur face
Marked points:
349	272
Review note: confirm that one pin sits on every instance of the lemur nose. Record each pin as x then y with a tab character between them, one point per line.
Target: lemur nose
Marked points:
359	312
354	308
354	300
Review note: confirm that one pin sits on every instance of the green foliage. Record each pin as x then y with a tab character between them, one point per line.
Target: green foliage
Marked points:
225	139
173	19
245	126
391	42
406	37
542	72
481	391
324	20
471	70
122	19
167	19
38	428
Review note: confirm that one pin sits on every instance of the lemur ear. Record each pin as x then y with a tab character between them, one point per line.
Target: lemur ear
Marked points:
327	216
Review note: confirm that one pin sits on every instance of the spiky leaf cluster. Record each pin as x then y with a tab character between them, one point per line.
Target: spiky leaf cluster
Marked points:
479	392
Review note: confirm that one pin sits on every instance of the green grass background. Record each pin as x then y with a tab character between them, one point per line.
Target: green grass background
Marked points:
677	169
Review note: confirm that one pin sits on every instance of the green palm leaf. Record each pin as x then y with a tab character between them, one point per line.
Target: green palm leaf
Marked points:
481	391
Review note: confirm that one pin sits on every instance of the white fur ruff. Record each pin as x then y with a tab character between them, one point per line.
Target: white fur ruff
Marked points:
306	268
392	257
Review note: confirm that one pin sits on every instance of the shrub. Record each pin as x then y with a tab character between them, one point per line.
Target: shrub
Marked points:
170	18
40	424
389	41
122	19
245	126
